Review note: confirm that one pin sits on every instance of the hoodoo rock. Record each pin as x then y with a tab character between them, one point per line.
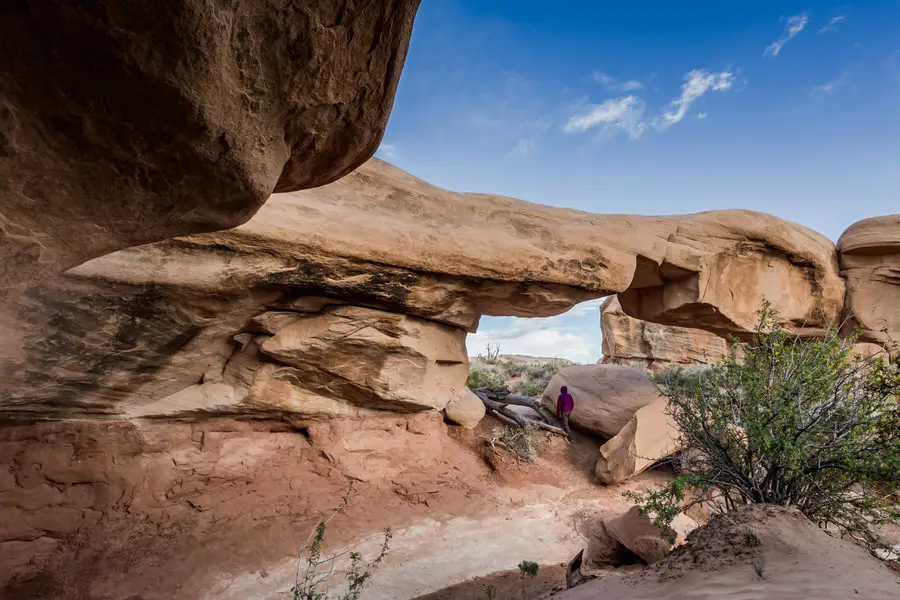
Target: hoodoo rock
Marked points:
192	318
630	341
606	396
870	261
124	122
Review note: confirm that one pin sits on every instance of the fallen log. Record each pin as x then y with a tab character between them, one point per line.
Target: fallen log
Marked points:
496	403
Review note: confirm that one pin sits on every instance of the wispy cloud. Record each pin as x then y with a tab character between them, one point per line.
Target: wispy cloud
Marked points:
387	151
831	86
523	147
795	25
701	116
832	24
696	83
626	114
622	114
574	335
610	83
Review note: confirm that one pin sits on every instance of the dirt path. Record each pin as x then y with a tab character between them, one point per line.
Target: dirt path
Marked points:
534	512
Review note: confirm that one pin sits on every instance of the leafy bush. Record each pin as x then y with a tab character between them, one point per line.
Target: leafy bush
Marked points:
529	387
795	423
310	560
480	377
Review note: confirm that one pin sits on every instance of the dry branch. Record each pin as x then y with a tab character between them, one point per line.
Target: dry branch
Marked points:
497	399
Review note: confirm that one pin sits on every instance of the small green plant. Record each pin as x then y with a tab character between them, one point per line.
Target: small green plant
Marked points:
524	443
490	592
759	565
794	422
310	560
529	568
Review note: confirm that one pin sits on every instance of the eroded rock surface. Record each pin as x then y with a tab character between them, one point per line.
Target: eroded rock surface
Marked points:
180	326
870	261
630	341
130	121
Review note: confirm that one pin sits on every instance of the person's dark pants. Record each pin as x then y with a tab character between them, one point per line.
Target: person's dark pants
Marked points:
564	417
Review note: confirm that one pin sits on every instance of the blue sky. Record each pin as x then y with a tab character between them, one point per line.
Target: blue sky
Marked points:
653	108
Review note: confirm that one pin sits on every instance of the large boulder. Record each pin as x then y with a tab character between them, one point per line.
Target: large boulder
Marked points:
870	261
130	121
637	532
606	396
630	341
650	435
466	409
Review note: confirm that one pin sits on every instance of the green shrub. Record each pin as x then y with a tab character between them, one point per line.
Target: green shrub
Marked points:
514	369
796	423
529	387
313	569
480	377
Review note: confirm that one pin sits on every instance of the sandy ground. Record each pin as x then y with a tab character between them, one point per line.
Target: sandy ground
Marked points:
763	553
166	510
516	519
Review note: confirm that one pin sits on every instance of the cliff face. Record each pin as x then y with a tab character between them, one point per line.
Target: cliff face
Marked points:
630	341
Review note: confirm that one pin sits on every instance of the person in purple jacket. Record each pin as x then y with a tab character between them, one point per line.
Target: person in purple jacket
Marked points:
565	404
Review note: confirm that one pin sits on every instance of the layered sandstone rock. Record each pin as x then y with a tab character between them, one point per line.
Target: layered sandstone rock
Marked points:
119	334
719	267
638	533
630	341
650	435
130	121
870	261
606	396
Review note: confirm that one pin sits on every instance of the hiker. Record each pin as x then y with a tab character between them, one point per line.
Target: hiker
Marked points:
564	406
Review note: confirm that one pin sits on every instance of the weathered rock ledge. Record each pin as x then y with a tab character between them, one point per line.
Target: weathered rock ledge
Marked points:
357	296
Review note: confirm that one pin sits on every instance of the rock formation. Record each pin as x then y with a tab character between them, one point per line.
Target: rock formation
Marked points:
796	558
630	341
185	326
638	533
650	435
870	261
124	122
606	396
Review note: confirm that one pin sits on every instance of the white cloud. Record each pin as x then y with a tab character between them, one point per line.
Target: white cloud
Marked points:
623	114
795	25
701	116
696	84
523	147
574	335
832	24
387	151
626	113
544	342
610	83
